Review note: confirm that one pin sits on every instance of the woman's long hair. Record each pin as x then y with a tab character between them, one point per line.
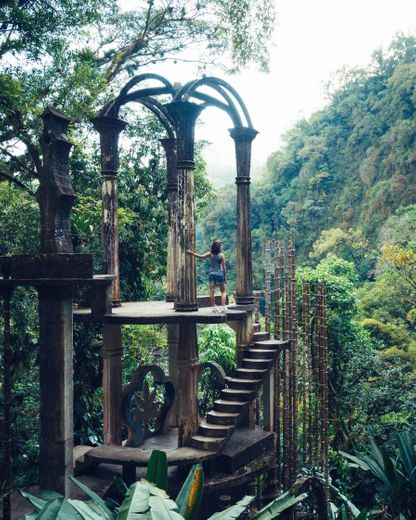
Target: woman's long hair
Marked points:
216	247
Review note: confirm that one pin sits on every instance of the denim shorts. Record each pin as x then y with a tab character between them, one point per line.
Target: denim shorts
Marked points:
217	278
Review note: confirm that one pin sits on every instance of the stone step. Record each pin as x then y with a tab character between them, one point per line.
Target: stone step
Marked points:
261	353
275	344
224	405
250	373
222	418
201	442
257	363
243	384
215	430
234	394
261	336
256	327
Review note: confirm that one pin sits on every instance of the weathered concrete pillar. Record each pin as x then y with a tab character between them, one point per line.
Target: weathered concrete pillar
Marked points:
55	196
56	388
188	375
173	342
112	383
243	138
109	129
185	115
169	145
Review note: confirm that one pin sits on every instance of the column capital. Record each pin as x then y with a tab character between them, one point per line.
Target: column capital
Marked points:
184	112
108	125
243	134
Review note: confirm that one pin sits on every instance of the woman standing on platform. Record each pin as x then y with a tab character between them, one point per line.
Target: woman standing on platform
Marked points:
217	271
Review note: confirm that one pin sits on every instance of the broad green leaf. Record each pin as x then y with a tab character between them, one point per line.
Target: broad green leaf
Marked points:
50	494
364	515
136	504
157	469
360	462
51	510
98	500
39	503
278	505
163	509
234	511
344	513
354	510
407	455
84	510
190	495
121	486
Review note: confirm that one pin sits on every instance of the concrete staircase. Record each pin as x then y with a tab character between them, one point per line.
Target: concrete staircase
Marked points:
230	409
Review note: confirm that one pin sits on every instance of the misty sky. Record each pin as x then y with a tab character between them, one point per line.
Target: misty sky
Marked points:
313	39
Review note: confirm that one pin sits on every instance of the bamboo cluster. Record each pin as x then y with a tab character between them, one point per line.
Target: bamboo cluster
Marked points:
300	374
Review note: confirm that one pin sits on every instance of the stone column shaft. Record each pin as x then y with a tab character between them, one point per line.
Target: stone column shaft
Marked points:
169	145
109	129
185	114
112	384
56	389
243	138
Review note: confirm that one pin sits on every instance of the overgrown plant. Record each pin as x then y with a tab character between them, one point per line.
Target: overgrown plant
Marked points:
148	499
397	475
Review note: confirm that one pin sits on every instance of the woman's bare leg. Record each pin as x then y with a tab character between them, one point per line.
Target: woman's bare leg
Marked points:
212	293
223	294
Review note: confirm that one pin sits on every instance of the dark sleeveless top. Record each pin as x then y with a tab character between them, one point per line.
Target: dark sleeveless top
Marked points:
216	264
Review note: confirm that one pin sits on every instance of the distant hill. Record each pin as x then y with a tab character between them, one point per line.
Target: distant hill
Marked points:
348	166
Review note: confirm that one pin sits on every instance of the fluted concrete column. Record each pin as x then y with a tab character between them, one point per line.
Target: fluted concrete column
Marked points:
185	115
243	138
109	129
169	145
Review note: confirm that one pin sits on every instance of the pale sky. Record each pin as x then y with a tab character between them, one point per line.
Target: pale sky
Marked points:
313	39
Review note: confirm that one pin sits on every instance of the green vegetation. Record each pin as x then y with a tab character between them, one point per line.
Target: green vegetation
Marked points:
148	499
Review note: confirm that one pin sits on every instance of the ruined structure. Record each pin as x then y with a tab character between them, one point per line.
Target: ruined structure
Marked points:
241	437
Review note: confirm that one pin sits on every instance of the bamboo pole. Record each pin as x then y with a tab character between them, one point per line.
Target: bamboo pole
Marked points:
6	472
294	359
325	419
286	378
310	375
267	287
305	318
316	377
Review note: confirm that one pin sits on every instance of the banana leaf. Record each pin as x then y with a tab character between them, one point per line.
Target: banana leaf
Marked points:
136	504
107	514
51	510
189	497
157	469
85	511
278	505
162	509
39	503
354	510
234	511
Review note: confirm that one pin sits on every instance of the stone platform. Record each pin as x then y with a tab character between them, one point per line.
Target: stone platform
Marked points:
159	312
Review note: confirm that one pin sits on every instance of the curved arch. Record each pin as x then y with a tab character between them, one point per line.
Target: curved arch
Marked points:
224	89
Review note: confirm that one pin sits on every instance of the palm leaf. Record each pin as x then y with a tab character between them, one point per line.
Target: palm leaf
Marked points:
136	504
157	469
121	486
190	495
98	500
234	511
278	505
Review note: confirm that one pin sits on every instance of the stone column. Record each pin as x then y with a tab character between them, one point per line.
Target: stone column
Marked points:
55	196
185	115
188	374
109	129
173	342
112	383
56	389
169	145
243	138
55	193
